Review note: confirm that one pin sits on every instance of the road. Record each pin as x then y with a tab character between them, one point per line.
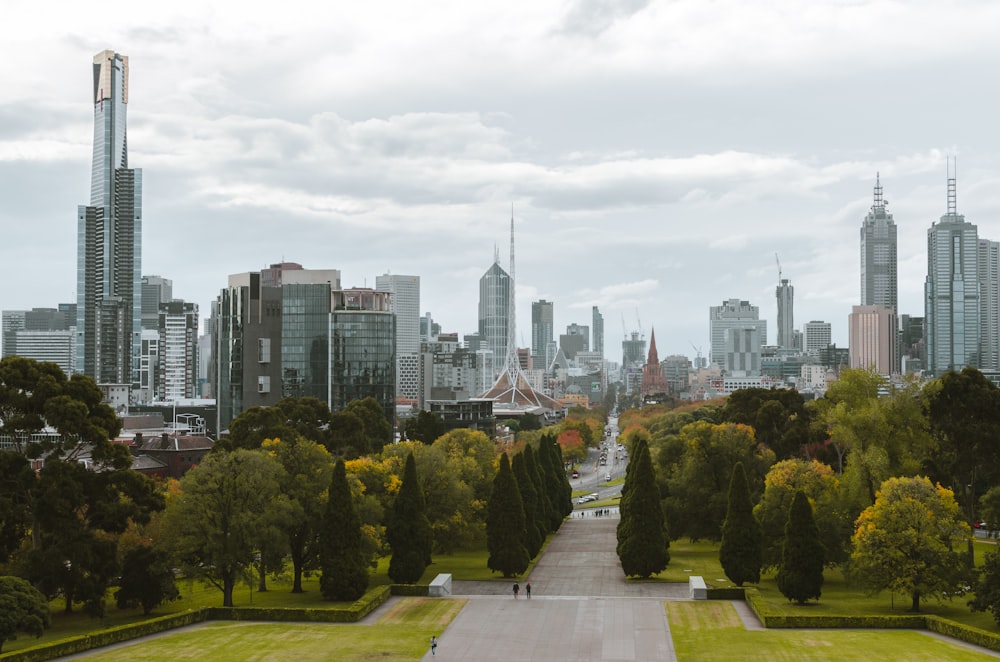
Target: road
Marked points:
593	474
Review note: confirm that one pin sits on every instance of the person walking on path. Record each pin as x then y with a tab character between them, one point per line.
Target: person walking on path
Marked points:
516	589
434	645
527	588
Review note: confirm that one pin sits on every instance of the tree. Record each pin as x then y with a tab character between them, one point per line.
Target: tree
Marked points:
78	515
23	608
544	507
800	576
905	541
740	553
147	579
529	497
963	409
377	428
426	427
778	416
642	532
506	534
409	531
822	487
987	587
342	559
215	519
571	444
347	435
16	482
307	470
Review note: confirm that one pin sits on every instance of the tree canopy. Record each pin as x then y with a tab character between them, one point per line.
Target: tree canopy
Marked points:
22	609
905	541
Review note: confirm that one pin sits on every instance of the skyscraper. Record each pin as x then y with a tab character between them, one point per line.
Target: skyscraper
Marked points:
951	291
816	336
542	333
989	304
785	294
597	328
733	314
405	304
878	255
873	338
109	235
494	295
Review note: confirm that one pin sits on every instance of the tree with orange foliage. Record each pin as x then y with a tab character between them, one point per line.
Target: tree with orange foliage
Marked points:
572	445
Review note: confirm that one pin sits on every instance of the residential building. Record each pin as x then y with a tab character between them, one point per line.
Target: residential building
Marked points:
951	291
742	355
785	295
42	334
155	290
873	338
989	304
109	231
597	328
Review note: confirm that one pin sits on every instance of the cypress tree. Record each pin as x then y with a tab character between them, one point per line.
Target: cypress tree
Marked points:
642	540
342	559
623	502
740	553
800	576
551	471
409	531
544	505
529	497
505	529
567	489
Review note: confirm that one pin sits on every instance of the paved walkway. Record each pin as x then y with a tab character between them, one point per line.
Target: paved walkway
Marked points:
581	608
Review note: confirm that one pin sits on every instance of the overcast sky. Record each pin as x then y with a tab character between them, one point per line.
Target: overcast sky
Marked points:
657	154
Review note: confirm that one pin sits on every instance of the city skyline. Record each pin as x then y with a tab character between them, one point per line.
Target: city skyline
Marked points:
657	156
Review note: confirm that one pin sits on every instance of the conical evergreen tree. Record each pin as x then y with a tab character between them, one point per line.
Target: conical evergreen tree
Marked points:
642	540
342	559
800	576
544	506
551	477
740	553
505	530
567	489
624	510
530	500
409	531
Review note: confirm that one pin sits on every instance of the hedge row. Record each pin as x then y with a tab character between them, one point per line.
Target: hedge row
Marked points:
966	633
727	593
350	614
771	619
107	637
410	590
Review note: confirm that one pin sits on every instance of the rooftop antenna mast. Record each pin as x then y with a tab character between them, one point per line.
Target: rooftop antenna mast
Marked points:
952	187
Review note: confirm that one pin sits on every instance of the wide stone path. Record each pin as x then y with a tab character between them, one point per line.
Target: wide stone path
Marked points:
580	609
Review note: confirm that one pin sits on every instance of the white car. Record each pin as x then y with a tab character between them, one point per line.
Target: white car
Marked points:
607	477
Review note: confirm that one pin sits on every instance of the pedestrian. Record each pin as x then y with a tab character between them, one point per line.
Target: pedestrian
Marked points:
516	589
434	645
527	589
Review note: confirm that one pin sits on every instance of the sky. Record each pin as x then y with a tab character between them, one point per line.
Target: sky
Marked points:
658	155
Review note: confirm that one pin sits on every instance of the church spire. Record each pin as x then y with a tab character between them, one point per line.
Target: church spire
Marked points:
653	358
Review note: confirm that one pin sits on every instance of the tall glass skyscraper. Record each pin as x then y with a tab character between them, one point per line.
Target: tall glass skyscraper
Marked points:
542	334
878	255
494	306
109	239
951	291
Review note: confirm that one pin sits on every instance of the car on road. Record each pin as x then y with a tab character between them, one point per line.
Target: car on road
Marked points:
588	497
576	474
607	477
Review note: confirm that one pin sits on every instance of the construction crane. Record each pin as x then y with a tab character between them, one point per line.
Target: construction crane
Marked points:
624	328
698	350
779	267
639	322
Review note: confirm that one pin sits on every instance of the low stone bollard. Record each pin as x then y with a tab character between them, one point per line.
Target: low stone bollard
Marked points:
697	587
440	586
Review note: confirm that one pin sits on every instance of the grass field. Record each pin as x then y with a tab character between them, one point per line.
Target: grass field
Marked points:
402	633
713	631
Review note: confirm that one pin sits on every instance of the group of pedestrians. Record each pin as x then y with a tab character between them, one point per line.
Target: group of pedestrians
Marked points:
527	589
594	512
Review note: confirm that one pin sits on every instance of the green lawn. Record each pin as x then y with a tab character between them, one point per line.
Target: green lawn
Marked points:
713	631
402	633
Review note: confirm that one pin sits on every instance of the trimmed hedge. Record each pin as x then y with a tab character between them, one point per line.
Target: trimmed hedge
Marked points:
727	593
771	619
107	637
350	614
410	590
966	633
